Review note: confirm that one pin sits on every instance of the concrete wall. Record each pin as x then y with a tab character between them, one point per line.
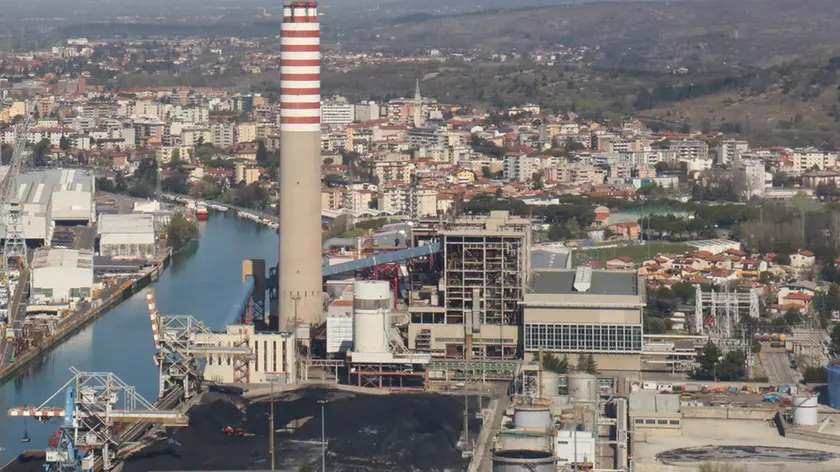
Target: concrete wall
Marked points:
726	413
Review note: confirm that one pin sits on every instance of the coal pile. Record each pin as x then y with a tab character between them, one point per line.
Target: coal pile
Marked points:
365	433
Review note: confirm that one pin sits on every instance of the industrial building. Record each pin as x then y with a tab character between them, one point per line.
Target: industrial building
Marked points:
583	311
127	236
61	275
474	308
51	197
655	413
272	358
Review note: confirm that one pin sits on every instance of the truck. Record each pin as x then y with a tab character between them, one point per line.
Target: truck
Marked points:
10	335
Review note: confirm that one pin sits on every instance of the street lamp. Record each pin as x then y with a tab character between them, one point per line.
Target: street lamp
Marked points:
323	438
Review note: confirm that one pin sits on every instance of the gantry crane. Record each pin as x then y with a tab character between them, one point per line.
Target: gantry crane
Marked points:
11	212
181	344
95	403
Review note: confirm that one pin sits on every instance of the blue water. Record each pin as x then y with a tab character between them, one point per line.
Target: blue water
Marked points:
201	284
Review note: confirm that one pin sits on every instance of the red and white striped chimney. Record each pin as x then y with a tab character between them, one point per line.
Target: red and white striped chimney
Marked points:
300	289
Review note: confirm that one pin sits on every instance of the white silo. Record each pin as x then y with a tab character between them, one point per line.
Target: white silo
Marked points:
371	312
583	387
805	410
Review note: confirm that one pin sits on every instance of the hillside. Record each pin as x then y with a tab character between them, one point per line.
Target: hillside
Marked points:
694	32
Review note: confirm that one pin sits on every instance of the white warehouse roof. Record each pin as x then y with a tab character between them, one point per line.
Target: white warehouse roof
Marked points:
133	223
61	257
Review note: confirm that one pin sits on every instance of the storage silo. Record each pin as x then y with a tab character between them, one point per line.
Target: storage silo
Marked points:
532	417
805	410
519	460
550	383
583	387
371	311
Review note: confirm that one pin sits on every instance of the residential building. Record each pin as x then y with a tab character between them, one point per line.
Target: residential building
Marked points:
337	111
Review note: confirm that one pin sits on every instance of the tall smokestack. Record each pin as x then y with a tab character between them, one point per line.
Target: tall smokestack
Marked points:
300	165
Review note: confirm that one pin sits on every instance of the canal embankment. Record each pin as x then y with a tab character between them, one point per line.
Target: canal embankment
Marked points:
78	320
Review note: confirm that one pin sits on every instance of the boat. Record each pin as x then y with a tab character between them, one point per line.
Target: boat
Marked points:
201	213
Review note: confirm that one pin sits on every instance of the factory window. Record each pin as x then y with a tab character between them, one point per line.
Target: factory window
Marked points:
47	292
256	357
650	421
274	350
674	422
265	355
662	421
565	337
639	421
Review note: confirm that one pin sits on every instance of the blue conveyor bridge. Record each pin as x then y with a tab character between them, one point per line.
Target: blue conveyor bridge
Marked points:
252	292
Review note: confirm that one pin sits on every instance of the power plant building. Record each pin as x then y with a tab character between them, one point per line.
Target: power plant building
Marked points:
583	311
485	269
300	300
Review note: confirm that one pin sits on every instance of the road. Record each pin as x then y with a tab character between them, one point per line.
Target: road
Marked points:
16	307
776	364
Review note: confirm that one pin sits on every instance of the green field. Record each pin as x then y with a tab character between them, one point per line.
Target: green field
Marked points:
637	253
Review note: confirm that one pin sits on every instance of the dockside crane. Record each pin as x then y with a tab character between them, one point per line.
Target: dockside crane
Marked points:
182	344
95	404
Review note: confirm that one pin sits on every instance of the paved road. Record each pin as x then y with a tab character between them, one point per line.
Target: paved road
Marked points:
776	364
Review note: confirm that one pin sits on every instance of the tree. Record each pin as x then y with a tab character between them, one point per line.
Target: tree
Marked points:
792	317
581	362
685	292
555	364
306	468
64	143
175	159
707	361
39	152
537	180
180	231
591	366
262	154
733	366
755	347
654	325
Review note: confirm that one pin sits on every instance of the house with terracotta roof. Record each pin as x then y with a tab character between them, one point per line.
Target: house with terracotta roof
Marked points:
802	263
620	263
626	230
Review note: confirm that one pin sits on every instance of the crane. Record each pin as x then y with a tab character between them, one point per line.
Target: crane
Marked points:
181	343
14	245
95	403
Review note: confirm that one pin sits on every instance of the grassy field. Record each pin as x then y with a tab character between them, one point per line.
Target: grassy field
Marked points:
637	253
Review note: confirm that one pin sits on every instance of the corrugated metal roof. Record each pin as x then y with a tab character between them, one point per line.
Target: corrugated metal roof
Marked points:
126	223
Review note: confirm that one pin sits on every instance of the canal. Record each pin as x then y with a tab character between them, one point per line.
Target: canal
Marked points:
201	283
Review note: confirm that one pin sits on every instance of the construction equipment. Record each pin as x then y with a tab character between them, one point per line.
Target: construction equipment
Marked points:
95	404
233	432
180	343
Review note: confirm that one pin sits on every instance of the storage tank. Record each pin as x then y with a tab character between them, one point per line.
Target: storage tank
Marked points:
805	410
582	386
518	460
533	417
524	441
371	302
550	383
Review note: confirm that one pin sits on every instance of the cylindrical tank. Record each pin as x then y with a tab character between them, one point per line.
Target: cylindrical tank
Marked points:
371	303
550	383
519	460
582	386
533	417
516	440
805	410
